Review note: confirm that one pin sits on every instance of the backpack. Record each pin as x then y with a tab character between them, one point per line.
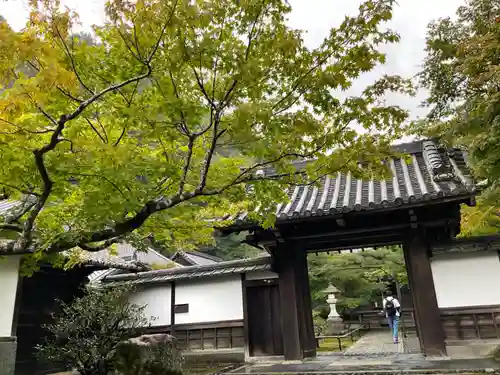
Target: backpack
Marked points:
389	307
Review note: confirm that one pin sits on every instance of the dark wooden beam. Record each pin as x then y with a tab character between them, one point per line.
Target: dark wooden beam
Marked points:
172	308
286	267
295	304
356	243
246	336
257	283
434	208
307	326
429	326
17	305
334	235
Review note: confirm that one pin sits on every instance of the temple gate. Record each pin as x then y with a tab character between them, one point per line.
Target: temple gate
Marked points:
418	208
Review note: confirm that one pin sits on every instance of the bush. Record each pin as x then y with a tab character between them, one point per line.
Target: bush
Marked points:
160	358
86	333
319	324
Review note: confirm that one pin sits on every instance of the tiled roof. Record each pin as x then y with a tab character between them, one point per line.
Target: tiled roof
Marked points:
127	252
195	258
114	264
192	272
431	174
7	205
468	244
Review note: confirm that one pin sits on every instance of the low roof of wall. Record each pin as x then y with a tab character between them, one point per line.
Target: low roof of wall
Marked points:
192	272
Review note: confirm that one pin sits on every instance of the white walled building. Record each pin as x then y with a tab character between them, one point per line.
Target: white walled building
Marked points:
9	276
466	275
467	279
204	305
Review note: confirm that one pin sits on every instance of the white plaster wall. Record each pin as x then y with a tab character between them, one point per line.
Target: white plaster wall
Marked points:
471	279
9	275
210	300
156	298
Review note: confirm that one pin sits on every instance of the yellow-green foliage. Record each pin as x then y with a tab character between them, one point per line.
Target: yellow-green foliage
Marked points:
462	73
162	121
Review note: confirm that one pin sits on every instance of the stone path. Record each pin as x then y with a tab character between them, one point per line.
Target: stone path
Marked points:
373	354
380	342
370	364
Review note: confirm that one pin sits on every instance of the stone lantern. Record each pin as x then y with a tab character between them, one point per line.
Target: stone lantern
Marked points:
335	324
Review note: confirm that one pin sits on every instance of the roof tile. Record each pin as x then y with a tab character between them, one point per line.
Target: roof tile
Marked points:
431	173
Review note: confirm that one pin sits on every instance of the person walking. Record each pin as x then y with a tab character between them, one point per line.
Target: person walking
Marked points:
392	310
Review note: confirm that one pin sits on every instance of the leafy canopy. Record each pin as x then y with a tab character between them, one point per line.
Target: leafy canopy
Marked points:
462	72
358	276
165	120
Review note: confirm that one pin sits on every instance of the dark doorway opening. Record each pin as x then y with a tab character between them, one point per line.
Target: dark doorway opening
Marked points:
348	288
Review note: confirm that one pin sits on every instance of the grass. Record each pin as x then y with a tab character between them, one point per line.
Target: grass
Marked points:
332	344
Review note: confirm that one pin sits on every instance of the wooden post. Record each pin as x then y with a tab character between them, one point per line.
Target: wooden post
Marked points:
172	308
17	305
246	337
307	326
428	318
295	303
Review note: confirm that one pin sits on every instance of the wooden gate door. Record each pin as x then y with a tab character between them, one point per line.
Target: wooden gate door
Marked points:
264	325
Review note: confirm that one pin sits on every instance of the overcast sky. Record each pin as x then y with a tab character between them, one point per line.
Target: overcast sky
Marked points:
317	17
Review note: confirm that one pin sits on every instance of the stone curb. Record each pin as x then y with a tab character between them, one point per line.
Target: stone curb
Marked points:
378	372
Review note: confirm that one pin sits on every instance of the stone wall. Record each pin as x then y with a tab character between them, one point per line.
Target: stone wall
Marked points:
8	347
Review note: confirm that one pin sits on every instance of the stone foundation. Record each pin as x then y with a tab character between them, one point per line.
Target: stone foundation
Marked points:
8	346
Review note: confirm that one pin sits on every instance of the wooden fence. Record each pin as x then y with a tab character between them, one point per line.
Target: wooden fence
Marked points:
459	323
466	323
373	319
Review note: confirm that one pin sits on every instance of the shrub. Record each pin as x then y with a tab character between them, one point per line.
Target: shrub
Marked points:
86	333
161	358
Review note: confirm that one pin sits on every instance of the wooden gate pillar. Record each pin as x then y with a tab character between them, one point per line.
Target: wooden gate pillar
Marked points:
295	303
428	319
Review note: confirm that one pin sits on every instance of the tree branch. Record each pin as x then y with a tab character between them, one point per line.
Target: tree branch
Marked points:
251	37
176	93
72	61
63	91
216	134
95	130
26	192
117	188
299	80
202	87
129	225
97	96
124	130
21	129
26	235
103	246
98	119
187	163
256	166
11	227
39	154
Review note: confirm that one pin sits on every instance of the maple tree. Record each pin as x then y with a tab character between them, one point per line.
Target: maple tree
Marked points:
164	122
462	73
359	277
